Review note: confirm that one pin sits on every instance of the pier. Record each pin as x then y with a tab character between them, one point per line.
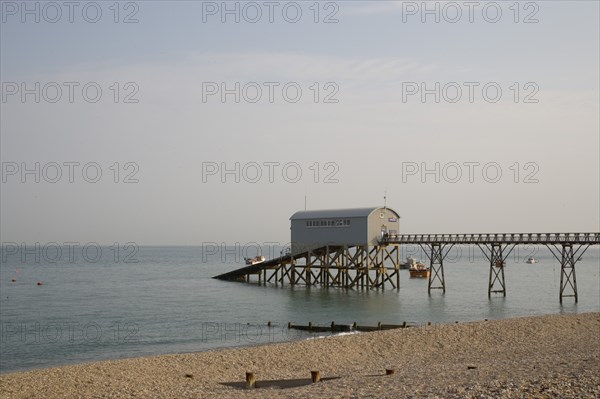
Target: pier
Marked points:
379	265
333	260
333	266
567	248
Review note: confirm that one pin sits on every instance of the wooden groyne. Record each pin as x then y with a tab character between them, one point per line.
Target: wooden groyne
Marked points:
338	328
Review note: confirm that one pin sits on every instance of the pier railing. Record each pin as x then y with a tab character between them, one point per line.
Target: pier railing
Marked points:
497	238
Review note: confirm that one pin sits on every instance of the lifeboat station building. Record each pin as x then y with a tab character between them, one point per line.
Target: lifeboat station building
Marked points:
353	227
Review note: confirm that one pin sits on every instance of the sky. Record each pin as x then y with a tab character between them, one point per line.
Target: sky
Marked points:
189	122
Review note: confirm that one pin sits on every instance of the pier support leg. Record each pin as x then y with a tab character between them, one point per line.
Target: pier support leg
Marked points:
293	274
436	269
367	274
397	266
497	255
567	258
567	273
496	271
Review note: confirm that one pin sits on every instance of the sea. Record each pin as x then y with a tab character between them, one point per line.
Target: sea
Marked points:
91	303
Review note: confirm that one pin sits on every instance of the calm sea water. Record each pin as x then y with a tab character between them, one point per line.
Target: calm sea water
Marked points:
167	302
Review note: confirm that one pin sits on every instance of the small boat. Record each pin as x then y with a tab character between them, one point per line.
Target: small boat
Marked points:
419	270
531	260
410	261
256	260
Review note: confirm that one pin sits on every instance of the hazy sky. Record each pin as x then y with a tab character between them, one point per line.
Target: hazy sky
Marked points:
341	102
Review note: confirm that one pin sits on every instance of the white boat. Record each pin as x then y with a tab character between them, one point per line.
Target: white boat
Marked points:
410	262
531	260
256	260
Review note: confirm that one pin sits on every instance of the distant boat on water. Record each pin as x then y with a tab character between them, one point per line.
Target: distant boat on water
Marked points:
531	260
410	262
419	270
256	260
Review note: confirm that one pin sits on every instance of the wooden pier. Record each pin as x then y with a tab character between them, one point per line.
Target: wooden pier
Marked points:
331	266
375	266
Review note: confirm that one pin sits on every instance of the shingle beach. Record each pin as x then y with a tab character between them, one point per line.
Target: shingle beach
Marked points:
555	356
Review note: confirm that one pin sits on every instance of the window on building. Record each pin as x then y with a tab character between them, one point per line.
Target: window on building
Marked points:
328	223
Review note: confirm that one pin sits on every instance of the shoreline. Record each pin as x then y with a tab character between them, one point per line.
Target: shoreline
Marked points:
539	356
308	337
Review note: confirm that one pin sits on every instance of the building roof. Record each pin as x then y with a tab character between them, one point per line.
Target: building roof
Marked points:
338	213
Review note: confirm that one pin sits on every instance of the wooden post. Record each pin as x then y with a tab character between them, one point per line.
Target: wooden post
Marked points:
398	267
383	250
315	376
250	380
293	276
346	277
327	258
368	255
